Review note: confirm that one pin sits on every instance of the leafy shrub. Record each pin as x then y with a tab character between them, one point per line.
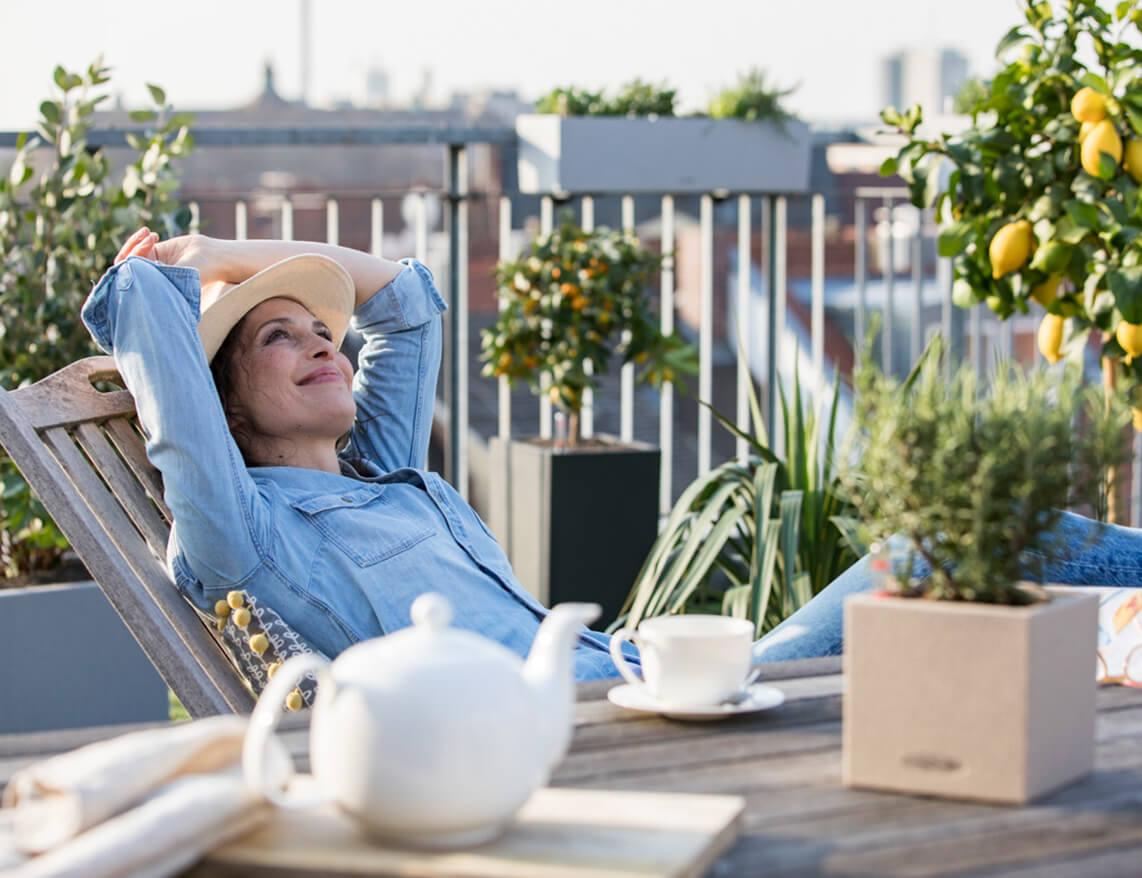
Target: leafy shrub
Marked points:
635	98
752	100
754	539
63	216
568	300
972	481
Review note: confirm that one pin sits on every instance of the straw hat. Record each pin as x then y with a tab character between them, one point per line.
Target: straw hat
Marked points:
319	283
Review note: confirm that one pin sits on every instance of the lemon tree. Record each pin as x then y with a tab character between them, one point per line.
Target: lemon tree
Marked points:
1039	197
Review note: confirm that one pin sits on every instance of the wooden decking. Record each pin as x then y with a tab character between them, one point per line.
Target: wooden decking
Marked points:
799	820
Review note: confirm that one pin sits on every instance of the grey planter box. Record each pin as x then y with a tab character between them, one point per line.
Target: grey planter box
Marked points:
69	662
576	525
671	155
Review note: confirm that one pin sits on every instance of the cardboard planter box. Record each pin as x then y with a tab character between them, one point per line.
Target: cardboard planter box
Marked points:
576	525
599	154
973	701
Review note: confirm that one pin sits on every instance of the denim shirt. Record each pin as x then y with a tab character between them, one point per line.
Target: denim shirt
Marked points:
340	557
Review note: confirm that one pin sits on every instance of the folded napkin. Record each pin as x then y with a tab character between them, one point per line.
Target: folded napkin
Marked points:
148	803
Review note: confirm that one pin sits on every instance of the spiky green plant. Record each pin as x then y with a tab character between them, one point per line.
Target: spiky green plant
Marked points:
755	539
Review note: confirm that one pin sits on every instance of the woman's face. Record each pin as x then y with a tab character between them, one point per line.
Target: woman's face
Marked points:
289	382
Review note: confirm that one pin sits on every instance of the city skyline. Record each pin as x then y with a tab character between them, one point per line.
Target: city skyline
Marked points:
833	51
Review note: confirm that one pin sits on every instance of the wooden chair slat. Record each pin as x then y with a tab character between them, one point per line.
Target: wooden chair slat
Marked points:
125	487
125	438
135	582
68	397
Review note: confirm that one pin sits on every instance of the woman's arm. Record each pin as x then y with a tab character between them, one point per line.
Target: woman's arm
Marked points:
395	384
235	261
145	315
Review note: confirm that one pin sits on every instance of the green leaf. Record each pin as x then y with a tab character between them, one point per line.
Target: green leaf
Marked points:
60	77
1126	285
157	94
143	115
1012	38
50	111
888	166
954	239
1083	214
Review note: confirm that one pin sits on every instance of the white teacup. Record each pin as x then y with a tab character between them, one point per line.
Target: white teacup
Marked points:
688	660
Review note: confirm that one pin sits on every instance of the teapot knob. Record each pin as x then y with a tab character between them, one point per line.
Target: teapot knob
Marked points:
431	611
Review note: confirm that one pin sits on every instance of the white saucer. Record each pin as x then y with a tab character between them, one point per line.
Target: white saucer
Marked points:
761	697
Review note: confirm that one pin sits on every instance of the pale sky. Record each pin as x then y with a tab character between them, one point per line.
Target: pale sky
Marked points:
209	53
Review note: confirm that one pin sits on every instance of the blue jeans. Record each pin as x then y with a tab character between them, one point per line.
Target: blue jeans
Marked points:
1097	554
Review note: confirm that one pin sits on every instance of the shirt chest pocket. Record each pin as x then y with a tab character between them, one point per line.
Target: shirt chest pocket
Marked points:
363	524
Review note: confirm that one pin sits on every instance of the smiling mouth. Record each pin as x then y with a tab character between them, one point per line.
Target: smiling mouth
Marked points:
322	376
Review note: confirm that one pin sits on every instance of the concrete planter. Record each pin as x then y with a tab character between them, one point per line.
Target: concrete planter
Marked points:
576	525
675	155
70	662
972	701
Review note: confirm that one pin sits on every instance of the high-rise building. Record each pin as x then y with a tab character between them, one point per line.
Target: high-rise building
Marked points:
930	78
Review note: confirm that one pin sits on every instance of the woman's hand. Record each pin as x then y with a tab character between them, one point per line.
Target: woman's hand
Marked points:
192	251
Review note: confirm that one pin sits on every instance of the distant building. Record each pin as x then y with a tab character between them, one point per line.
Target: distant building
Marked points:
930	78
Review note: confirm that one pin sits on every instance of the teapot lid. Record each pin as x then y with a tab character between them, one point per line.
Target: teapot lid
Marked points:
429	644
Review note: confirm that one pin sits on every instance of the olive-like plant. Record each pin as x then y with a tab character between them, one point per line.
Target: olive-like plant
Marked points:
63	216
976	482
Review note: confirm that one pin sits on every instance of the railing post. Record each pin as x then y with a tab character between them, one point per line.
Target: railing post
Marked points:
587	413
860	268
666	402
705	332
888	272
769	259
457	458
626	374
546	415
817	295
504	391
744	324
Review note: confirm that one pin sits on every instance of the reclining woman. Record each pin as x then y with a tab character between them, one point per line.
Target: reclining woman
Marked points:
287	476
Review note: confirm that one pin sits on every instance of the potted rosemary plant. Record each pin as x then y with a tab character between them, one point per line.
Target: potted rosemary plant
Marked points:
585	141
969	681
577	519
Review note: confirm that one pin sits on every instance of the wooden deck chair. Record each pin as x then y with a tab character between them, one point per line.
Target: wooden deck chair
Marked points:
82	452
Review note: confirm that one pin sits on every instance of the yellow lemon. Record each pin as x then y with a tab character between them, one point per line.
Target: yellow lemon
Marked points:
1088	105
241	617
1010	248
1046	292
1129	337
1102	138
293	700
1137	420
1051	338
236	599
1133	163
1085	129
259	643
221	609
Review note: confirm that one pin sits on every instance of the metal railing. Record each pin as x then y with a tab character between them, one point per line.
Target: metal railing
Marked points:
904	244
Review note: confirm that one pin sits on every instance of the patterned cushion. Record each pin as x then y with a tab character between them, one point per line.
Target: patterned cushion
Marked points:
258	641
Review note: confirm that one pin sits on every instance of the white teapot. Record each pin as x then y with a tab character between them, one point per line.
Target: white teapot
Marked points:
431	736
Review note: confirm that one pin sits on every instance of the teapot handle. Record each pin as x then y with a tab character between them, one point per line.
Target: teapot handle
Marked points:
258	765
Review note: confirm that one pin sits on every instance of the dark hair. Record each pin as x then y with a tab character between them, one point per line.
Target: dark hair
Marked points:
222	370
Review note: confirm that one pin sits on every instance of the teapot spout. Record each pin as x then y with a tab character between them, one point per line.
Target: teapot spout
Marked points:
550	671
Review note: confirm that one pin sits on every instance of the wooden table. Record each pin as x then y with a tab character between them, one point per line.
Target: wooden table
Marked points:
799	820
